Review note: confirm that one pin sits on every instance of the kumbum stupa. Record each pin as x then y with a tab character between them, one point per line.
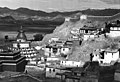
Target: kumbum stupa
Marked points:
24	46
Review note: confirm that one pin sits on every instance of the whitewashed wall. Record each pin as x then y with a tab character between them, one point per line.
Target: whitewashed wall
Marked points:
22	45
65	50
88	36
53	73
114	33
71	63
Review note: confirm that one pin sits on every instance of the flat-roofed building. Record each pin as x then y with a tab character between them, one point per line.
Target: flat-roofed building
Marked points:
24	46
107	56
113	28
114	32
12	61
88	32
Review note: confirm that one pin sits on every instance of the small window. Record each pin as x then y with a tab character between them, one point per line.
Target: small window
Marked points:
112	54
75	73
86	31
45	60
53	70
50	70
102	55
101	61
54	50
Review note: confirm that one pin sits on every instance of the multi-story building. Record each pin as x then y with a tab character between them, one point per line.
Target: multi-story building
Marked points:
12	61
88	32
113	29
106	56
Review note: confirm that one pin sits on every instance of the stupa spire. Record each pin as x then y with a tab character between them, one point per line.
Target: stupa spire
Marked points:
21	35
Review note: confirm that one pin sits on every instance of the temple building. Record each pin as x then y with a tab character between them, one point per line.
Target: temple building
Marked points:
114	29
21	40
12	61
56	49
24	46
106	56
88	32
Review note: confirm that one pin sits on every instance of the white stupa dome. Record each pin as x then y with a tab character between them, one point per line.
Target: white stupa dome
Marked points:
82	17
67	19
38	47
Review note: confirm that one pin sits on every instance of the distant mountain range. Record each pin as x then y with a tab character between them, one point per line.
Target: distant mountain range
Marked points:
29	12
28	16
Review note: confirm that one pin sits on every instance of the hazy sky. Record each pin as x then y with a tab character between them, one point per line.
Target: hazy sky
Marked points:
60	5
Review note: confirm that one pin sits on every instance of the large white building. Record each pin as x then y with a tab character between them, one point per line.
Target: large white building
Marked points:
113	28
114	32
107	56
88	32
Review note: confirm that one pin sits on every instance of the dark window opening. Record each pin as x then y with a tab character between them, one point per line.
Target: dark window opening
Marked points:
49	54
80	42
102	55
45	60
50	70
101	61
86	31
53	70
75	73
54	50
91	57
118	21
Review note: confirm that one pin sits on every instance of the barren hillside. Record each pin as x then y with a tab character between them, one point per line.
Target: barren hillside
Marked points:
82	52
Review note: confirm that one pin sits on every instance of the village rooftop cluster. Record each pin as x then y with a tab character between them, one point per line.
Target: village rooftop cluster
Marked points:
53	57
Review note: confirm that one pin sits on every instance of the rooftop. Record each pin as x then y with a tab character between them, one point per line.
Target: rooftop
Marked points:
89	28
9	52
110	50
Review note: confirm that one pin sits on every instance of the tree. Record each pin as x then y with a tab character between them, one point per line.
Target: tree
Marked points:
6	37
114	46
118	21
38	37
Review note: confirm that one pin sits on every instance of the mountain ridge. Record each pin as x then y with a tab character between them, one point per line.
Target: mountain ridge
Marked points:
30	12
29	16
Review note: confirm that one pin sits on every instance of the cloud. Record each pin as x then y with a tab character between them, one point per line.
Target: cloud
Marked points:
60	5
53	9
111	1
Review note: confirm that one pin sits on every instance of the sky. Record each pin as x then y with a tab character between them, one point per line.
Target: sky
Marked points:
60	5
